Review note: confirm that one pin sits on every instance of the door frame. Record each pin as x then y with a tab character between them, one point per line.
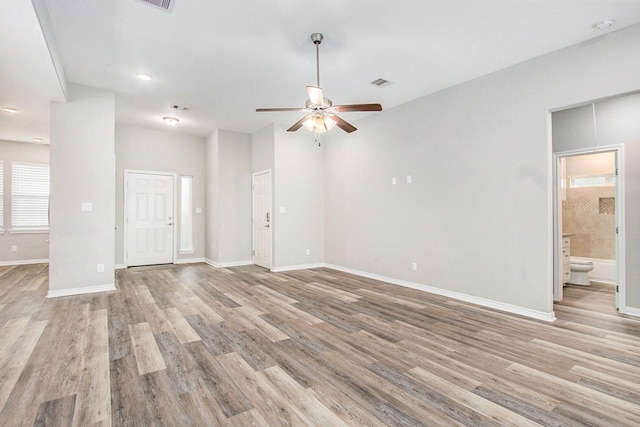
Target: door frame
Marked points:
125	240
272	219
618	150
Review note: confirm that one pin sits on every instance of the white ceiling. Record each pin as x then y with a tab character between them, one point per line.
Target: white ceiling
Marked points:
224	59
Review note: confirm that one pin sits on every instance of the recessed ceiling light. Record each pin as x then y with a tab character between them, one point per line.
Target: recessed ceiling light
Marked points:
9	110
143	76
605	25
171	121
38	140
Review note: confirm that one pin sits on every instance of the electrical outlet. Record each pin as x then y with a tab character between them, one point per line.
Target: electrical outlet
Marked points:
393	180
14	248
414	266
409	179
100	268
308	251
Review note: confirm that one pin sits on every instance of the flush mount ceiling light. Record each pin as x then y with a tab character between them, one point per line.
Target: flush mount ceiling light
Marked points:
9	110
321	113
171	121
143	76
605	24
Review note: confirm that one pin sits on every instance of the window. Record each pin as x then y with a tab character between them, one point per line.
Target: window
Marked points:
1	196
29	196
593	181
186	213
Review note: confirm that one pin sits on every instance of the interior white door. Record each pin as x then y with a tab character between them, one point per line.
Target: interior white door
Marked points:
149	219
262	219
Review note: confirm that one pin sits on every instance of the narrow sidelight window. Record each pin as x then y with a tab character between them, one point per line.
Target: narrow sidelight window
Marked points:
186	213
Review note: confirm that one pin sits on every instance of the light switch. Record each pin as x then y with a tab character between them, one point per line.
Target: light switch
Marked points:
283	209
409	179
198	210
86	206
393	180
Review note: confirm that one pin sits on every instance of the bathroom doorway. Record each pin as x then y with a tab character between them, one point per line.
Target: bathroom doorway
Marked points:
588	216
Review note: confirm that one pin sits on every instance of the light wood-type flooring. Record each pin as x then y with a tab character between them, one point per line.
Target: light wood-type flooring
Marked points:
195	345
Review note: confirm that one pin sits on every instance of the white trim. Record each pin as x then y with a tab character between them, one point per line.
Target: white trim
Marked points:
80	291
29	230
630	311
509	308
618	150
227	264
24	262
119	267
189	261
300	267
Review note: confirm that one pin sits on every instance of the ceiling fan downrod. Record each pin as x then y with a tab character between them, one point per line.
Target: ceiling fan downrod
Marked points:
317	39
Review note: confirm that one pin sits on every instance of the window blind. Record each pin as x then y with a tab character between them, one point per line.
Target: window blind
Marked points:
29	195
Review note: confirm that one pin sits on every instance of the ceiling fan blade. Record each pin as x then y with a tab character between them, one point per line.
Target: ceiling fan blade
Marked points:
343	124
357	107
315	95
297	125
263	110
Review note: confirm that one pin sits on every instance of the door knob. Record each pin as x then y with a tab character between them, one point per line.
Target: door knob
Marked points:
170	223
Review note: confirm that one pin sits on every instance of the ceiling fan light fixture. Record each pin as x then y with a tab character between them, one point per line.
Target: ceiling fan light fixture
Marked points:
319	123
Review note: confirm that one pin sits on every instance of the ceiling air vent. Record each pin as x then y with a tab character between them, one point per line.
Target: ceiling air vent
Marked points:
166	5
381	82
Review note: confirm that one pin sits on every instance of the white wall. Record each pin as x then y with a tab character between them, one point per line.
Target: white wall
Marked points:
212	190
82	170
299	188
228	157
477	217
161	151
32	246
262	149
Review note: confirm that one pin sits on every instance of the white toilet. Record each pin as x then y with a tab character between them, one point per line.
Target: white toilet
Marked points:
580	272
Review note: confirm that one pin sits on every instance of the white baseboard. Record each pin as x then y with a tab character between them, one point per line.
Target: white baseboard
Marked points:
509	308
298	267
189	261
80	291
227	264
630	311
119	266
24	262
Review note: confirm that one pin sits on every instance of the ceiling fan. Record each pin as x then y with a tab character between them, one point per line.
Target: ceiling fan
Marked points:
321	113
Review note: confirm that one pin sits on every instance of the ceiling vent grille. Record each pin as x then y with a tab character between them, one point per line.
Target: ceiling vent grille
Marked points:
166	5
381	82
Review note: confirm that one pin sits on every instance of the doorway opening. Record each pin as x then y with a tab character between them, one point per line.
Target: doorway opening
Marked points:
588	217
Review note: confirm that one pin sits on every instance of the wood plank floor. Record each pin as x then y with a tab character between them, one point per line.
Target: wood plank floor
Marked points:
194	345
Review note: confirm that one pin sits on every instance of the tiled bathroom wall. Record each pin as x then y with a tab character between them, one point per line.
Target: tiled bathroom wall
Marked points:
588	212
